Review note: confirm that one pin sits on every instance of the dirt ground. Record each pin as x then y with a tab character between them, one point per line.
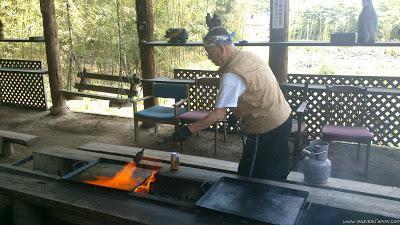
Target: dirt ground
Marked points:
76	129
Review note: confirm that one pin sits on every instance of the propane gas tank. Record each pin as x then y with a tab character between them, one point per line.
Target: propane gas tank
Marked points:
316	165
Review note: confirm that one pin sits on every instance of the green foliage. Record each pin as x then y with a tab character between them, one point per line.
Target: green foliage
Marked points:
318	21
388	14
21	21
190	14
95	39
394	52
325	69
315	20
95	34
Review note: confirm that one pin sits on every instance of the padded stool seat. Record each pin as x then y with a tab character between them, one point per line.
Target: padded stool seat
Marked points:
343	133
160	113
193	116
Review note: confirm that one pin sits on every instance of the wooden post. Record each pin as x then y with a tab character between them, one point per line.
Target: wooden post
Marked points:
145	28
53	57
278	54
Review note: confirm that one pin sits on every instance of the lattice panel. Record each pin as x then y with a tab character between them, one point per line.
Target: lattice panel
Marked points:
210	92
20	64
193	74
384	118
345	109
383	114
24	89
383	110
297	96
366	81
206	94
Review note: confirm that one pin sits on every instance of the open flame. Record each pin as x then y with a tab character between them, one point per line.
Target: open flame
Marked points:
145	187
123	179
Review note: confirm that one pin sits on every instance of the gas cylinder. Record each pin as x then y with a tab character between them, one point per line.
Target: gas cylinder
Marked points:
316	165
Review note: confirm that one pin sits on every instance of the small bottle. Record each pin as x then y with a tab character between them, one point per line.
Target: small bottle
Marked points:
174	161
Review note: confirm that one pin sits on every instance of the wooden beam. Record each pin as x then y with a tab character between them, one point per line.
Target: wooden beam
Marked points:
287	43
278	54
145	28
53	57
149	154
105	89
99	76
93	95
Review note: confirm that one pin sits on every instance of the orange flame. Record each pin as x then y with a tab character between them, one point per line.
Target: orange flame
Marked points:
145	187
122	179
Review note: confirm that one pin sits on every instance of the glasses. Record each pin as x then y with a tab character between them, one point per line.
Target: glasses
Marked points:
210	53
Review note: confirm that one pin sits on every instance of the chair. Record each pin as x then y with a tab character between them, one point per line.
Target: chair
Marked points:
298	101
345	113
162	114
206	89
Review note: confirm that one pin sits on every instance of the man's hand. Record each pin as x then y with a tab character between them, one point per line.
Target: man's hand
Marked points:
182	134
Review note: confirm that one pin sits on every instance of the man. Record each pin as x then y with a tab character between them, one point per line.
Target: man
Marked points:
251	89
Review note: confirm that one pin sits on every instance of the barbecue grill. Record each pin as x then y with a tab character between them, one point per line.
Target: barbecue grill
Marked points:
231	197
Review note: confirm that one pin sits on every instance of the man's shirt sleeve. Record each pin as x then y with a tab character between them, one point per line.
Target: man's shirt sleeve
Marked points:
231	87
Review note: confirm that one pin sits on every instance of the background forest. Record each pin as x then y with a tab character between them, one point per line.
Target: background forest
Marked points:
94	39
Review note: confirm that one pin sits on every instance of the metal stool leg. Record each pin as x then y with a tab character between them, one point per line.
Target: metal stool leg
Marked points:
367	159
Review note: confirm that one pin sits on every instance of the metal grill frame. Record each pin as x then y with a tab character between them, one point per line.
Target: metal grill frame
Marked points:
24	85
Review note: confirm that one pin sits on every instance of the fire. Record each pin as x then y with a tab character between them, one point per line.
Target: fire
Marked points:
122	179
145	187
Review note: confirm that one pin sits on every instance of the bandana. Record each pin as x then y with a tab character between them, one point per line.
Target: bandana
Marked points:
219	40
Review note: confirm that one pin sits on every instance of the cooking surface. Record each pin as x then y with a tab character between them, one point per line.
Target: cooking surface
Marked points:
257	201
105	171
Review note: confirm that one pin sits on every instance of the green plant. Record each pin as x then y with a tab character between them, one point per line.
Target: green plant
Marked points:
325	69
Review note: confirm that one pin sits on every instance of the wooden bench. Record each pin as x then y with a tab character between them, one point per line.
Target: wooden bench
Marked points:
103	91
7	138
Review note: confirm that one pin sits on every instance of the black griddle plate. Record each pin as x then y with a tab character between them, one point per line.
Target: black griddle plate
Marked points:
257	201
108	168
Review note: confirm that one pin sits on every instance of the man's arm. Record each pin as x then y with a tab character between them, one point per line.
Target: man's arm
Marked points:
231	87
212	117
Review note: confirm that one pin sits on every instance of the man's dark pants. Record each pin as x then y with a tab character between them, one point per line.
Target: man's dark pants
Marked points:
272	154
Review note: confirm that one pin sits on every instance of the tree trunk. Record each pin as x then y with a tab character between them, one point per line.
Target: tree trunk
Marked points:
53	57
145	28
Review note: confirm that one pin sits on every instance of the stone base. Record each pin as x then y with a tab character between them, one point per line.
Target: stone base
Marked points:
6	148
27	214
59	111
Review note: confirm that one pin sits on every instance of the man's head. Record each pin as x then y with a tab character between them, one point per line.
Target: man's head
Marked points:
218	44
